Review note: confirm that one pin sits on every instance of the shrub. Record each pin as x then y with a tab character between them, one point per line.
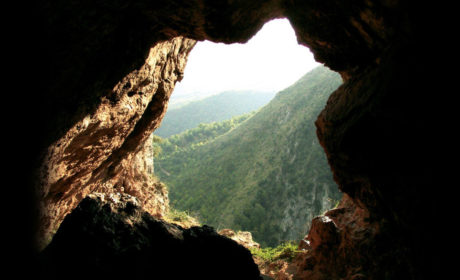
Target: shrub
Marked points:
285	251
182	218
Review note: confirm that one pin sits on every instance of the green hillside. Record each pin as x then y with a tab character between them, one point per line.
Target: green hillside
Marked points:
215	108
200	135
263	174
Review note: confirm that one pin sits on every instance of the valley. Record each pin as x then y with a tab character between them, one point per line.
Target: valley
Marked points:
262	172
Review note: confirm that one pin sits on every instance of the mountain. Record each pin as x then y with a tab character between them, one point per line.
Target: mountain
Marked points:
218	107
261	175
200	135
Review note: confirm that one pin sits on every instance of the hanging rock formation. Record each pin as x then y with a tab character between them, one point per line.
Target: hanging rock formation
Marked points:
107	69
105	150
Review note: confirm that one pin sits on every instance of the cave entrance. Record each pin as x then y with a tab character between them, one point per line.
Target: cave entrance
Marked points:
270	61
239	147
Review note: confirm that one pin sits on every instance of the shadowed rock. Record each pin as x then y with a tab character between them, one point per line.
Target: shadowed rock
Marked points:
111	237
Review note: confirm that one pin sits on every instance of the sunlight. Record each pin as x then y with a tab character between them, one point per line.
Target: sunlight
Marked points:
271	61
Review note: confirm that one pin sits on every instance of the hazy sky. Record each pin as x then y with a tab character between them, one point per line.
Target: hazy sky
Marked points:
271	61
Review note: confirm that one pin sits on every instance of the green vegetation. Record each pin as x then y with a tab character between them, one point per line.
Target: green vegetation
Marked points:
197	136
182	218
216	108
266	173
156	141
285	251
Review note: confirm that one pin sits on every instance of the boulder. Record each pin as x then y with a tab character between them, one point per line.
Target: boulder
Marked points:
109	236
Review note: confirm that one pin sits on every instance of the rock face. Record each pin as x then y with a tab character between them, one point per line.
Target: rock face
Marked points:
105	150
341	245
243	238
107	68
109	236
376	145
137	180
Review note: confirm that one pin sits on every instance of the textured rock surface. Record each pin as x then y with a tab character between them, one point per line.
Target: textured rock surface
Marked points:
105	151
241	237
108	236
374	132
375	129
340	245
137	180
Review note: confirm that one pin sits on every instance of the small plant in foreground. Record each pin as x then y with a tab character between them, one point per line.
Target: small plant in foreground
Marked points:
182	218
285	251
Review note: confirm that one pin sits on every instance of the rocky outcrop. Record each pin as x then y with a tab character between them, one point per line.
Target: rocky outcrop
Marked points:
109	236
243	238
108	151
339	246
344	243
281	269
95	106
137	179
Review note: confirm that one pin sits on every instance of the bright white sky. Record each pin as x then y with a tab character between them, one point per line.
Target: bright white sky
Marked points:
271	61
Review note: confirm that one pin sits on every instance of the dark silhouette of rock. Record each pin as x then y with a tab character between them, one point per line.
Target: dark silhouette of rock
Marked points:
108	236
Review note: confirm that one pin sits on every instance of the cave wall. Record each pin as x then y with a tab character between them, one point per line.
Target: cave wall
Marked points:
375	131
110	66
107	151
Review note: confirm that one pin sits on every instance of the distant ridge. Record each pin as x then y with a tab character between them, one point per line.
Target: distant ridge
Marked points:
218	107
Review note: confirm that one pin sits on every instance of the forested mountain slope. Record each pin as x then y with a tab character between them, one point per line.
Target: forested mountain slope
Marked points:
262	175
215	108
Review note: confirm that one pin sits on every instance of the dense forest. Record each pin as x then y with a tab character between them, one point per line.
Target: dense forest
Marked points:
215	108
200	135
258	172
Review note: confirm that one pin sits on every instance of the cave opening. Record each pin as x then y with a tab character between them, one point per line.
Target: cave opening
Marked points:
373	128
242	120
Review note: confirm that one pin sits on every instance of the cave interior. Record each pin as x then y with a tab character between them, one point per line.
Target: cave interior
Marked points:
375	129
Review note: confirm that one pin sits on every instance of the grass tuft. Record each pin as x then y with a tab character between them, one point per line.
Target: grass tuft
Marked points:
285	251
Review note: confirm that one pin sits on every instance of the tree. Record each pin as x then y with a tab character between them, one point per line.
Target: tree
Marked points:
156	148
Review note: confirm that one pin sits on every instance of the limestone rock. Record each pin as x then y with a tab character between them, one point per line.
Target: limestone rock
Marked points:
108	236
241	237
326	247
106	150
